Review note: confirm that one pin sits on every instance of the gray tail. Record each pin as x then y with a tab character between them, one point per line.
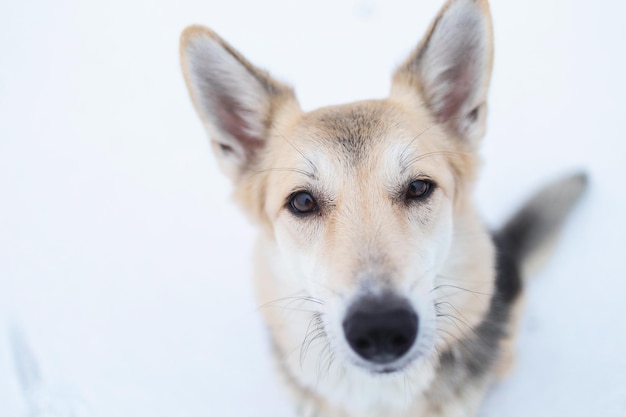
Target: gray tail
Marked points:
531	228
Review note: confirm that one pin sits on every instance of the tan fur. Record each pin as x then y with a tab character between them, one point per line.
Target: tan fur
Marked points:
363	237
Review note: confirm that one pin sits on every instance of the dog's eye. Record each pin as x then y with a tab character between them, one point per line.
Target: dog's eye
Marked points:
302	203
419	189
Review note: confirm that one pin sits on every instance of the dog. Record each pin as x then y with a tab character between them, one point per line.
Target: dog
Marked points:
383	292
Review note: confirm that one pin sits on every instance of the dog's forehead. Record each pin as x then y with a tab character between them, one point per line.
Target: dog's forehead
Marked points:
354	133
351	131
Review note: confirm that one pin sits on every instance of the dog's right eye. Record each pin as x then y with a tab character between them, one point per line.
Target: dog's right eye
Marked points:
302	203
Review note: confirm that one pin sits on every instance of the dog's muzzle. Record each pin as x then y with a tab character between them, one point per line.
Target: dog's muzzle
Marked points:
381	329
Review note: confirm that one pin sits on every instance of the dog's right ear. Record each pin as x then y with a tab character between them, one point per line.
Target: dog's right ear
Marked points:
236	101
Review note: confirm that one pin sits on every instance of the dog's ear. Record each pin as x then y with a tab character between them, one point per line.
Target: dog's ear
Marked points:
236	101
451	68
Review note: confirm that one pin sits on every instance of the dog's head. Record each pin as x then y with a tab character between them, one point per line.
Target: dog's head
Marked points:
364	208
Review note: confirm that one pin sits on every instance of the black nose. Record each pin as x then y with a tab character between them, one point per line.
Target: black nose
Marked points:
381	329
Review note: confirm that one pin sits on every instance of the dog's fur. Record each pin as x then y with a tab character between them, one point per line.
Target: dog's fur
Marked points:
366	236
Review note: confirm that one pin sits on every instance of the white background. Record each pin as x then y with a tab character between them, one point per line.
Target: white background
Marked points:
124	268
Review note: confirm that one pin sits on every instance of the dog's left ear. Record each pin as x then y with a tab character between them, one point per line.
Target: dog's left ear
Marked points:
451	68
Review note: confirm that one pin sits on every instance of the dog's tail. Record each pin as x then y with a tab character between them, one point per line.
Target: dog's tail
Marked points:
530	229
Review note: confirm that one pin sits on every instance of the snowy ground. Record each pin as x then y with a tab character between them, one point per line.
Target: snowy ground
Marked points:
124	273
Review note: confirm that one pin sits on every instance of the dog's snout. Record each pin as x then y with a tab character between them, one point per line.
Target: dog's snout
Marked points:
381	329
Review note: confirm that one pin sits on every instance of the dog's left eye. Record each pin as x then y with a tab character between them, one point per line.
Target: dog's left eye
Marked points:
302	203
419	189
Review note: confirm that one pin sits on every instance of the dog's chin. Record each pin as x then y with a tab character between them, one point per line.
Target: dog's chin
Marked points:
396	367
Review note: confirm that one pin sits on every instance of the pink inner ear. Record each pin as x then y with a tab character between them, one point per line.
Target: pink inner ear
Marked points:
458	81
232	118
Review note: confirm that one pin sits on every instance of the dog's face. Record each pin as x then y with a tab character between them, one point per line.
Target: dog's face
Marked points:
365	214
359	201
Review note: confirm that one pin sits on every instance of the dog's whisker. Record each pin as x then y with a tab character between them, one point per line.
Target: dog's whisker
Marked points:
331	360
432	154
284	169
406	148
442	276
324	352
449	304
439	303
311	335
463	320
307	159
453	320
308	333
476	333
286	309
292	299
459	288
307	345
459	341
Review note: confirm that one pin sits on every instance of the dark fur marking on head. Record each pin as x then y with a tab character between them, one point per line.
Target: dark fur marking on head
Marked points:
353	130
